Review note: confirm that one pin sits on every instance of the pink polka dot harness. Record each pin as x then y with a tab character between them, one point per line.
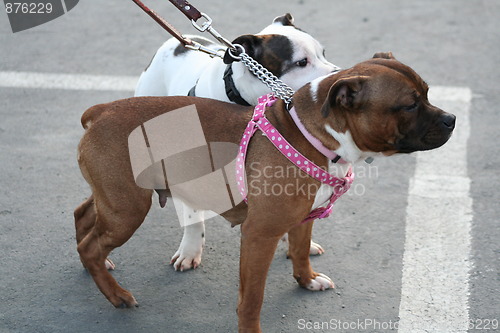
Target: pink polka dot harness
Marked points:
259	121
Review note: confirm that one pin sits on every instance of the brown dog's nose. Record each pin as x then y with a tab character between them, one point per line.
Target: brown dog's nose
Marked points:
447	120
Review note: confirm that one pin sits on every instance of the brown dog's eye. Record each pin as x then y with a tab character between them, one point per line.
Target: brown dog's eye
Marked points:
302	63
411	108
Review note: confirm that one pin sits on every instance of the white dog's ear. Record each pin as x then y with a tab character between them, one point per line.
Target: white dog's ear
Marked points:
346	93
284	20
252	45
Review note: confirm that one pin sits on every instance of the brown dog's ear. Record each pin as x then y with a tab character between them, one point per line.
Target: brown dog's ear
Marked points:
286	19
252	45
346	93
384	55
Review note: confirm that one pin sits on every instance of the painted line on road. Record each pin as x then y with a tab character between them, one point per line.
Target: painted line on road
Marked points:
36	80
437	256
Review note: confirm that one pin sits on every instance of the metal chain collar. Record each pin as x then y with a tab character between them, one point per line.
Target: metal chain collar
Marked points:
278	87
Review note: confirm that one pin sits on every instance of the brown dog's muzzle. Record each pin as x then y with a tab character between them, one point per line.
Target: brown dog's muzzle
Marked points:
428	134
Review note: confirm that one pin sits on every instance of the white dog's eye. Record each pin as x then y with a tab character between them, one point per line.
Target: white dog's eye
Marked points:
302	63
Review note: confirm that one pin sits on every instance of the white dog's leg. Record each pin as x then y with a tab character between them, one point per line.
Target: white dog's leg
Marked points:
189	253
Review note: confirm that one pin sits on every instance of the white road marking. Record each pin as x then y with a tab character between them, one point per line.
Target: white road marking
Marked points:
437	257
67	81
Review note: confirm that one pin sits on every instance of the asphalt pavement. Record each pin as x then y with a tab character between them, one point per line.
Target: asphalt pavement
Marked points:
43	287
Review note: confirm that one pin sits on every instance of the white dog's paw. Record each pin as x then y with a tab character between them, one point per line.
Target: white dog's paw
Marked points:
284	239
183	262
316	249
188	255
321	282
109	264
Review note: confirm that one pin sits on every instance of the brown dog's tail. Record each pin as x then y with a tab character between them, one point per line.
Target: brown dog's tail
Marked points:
92	114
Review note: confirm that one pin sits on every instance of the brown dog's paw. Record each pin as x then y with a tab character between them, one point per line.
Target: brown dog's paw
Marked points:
318	282
123	299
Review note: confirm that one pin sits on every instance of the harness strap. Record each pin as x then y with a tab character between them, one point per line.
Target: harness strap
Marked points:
334	157
259	121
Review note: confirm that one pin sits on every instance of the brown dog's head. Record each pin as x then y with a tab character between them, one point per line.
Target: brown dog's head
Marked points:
377	106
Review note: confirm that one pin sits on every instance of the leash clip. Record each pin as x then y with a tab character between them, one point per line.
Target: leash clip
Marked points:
207	26
199	47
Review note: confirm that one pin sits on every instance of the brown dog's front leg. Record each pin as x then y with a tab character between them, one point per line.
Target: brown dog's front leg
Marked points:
300	240
257	251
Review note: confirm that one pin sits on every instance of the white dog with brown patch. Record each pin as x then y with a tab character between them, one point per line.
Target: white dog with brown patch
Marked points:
292	55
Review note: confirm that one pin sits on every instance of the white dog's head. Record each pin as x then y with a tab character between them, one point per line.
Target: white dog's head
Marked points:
291	54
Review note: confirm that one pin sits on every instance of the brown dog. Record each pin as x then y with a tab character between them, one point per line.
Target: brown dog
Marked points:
378	107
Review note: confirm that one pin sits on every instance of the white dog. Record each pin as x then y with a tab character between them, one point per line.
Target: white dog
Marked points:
292	55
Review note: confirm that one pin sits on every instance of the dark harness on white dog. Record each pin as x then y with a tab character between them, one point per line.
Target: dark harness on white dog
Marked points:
231	91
